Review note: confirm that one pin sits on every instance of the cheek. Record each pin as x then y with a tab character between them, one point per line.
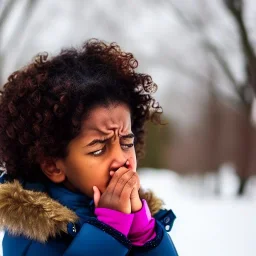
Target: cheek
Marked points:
78	169
98	170
133	159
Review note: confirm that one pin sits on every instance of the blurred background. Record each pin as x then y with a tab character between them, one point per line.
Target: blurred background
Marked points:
201	54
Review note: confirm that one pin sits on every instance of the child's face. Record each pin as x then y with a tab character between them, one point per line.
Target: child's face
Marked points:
89	161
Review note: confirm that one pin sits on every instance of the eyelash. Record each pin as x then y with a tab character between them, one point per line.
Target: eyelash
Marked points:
104	148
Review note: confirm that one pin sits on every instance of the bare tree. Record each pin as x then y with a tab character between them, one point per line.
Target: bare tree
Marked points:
196	23
236	9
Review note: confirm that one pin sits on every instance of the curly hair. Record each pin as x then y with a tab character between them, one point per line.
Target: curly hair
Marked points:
43	104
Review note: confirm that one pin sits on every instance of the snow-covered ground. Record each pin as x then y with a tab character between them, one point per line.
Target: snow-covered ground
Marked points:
206	224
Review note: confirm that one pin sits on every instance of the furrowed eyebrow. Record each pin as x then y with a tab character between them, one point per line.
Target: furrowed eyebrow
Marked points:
97	141
128	136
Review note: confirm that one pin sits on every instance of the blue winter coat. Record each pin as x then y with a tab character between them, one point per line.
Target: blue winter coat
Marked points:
88	236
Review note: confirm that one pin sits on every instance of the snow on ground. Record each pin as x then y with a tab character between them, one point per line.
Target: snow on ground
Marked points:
207	224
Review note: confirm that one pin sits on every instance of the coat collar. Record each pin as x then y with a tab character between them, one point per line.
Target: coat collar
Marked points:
31	213
79	203
39	211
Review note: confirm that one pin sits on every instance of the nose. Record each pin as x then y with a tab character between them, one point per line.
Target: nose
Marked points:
118	158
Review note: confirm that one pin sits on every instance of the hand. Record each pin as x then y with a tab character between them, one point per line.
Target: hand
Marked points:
118	193
136	203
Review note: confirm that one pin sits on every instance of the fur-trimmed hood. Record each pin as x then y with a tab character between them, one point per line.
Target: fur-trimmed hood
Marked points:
37	216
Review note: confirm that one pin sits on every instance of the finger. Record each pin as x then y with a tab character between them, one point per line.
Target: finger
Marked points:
128	188
96	196
138	180
134	193
136	203
126	177
111	186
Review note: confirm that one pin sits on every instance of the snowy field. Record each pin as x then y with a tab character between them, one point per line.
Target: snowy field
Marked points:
206	224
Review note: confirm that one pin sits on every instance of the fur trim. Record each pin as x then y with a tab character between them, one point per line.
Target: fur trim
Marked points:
154	203
38	217
32	214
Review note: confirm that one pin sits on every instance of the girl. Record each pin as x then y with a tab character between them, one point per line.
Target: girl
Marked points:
71	128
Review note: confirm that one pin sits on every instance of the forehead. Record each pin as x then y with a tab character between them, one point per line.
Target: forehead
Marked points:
102	119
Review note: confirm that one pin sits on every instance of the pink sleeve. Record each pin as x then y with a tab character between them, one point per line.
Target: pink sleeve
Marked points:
143	226
120	221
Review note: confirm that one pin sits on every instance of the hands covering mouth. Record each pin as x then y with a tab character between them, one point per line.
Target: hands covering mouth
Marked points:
122	192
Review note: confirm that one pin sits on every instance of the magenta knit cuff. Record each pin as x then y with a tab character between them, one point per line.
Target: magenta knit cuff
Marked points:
143	226
118	220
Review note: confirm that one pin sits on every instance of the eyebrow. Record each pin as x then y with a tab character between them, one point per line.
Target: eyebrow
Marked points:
128	136
95	141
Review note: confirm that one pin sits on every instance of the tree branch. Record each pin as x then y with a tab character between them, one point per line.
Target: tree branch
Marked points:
198	26
235	7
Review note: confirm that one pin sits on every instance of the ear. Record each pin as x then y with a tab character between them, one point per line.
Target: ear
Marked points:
53	169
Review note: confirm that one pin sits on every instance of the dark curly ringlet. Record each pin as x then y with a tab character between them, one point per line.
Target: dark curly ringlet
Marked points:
43	104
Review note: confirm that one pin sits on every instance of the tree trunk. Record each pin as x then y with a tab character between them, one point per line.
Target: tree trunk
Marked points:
242	185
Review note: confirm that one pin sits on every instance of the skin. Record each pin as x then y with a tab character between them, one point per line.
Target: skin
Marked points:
106	169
